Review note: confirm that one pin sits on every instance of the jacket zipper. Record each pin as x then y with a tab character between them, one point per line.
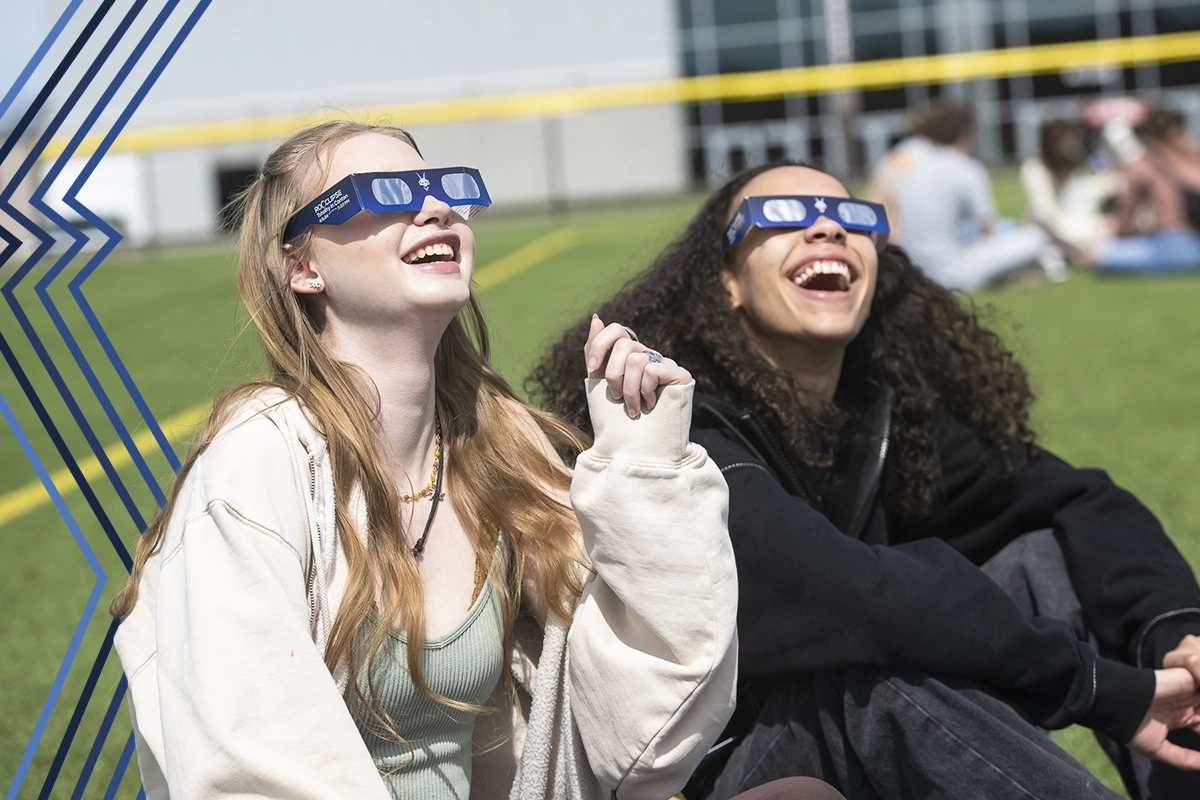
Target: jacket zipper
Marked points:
747	418
783	459
312	559
864	511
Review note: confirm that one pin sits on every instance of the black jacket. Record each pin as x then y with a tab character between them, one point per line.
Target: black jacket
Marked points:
830	578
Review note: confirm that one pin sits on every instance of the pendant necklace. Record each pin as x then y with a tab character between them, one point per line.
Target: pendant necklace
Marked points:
433	490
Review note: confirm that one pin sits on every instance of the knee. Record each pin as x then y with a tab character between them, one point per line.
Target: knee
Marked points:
887	694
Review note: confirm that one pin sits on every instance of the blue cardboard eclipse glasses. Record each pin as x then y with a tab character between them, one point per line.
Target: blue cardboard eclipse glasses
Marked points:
459	187
801	211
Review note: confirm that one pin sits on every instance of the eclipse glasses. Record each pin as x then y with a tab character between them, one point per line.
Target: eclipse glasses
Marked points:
461	188
801	211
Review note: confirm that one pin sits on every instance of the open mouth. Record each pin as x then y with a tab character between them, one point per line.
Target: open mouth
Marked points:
430	253
824	276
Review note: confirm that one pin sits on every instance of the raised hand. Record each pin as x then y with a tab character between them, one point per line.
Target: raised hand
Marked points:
1186	655
1176	704
633	371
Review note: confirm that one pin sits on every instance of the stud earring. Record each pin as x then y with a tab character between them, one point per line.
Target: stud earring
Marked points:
314	284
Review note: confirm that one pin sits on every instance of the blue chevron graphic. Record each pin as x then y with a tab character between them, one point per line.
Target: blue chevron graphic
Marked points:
9	287
11	243
88	611
113	239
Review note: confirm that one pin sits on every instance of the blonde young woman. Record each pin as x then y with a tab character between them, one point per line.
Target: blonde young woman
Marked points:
310	617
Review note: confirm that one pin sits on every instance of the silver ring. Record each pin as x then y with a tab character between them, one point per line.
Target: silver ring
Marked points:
654	356
629	330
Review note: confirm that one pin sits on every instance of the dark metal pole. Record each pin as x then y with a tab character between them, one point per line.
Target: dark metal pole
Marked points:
839	47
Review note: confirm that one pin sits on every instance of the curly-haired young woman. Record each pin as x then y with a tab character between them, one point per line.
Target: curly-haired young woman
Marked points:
923	589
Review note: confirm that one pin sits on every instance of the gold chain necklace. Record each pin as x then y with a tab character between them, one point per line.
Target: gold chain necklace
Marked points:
437	466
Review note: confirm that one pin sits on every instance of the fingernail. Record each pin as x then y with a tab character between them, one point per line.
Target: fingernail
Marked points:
592	362
595	317
631	411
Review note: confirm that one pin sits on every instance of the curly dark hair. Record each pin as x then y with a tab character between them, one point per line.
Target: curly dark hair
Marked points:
922	340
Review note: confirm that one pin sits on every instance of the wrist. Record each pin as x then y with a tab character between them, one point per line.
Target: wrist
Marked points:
1123	696
1163	634
657	436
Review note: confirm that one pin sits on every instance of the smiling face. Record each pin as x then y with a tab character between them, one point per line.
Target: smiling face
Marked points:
801	291
377	268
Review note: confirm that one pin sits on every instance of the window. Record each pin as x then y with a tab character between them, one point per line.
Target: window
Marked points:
1177	19
736	12
753	111
859	6
230	181
749	58
872	47
885	100
1062	29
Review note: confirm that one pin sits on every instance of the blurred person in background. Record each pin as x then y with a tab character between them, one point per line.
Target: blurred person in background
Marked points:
881	187
1063	195
946	218
302	621
1158	207
923	588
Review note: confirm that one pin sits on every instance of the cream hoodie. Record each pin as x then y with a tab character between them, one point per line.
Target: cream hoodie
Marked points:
229	693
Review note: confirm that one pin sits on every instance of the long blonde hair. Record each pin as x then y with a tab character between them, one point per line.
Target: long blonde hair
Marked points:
503	481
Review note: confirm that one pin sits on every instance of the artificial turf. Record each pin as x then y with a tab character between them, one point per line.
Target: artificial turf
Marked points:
1115	363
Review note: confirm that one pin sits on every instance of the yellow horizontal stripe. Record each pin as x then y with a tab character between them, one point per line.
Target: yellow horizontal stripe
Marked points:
33	495
19	502
525	257
772	84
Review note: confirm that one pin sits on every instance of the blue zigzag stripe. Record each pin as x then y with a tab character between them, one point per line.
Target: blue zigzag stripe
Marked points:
80	239
119	773
105	649
88	610
12	245
85	698
76	284
98	745
9	288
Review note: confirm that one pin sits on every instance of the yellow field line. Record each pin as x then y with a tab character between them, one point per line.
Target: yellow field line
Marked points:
19	502
33	495
771	84
525	257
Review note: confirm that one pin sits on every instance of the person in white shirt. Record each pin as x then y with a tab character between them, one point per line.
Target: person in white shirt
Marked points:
946	218
906	154
1063	195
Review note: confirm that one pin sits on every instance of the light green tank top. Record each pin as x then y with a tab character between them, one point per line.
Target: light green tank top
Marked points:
464	665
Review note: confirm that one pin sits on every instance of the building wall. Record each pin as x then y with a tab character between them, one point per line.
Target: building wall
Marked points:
737	36
271	57
282	57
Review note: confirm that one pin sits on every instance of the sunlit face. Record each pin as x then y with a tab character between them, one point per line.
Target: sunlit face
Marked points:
790	284
376	267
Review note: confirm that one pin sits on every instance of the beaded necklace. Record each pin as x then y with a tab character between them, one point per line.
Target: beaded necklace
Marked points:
437	466
433	490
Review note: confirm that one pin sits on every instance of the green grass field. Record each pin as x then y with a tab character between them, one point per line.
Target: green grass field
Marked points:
1116	365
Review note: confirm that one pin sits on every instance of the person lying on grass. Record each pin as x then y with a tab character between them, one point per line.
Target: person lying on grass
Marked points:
375	577
924	589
